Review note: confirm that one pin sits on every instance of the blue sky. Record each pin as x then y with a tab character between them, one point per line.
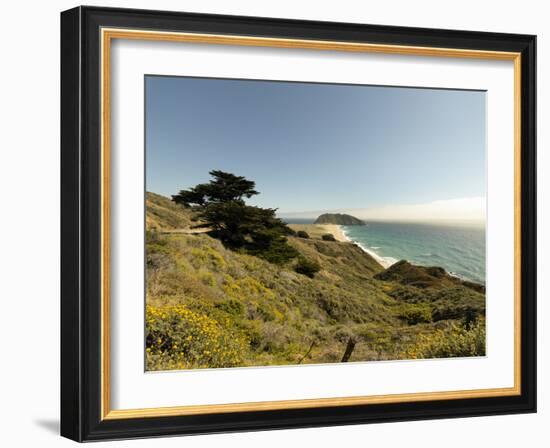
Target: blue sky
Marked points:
317	146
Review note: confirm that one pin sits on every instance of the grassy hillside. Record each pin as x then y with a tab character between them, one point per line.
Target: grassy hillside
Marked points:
164	215
315	231
208	306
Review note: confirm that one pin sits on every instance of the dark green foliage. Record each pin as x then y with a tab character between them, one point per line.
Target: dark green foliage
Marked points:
289	231
232	307
225	187
415	314
277	250
469	318
221	208
328	237
302	234
307	267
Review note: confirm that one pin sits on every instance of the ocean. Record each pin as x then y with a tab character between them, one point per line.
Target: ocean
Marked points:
460	250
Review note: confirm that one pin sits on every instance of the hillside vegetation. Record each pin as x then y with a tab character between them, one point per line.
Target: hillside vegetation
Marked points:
210	306
163	214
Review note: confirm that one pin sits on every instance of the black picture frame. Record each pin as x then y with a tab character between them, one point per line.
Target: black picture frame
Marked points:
81	224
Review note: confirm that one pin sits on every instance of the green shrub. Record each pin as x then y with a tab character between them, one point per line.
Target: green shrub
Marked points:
457	303
328	237
407	294
302	234
289	231
231	306
277	252
307	267
455	341
415	314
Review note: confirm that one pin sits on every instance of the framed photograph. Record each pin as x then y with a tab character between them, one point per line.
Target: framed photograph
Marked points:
273	223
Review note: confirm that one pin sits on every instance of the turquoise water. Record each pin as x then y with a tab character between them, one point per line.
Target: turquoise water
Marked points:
460	250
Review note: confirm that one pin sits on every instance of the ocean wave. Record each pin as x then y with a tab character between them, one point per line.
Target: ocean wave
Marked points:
457	254
386	262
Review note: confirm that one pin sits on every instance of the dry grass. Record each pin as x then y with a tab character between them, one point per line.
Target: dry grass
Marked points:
316	231
283	317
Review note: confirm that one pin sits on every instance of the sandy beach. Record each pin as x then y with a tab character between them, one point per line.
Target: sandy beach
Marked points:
336	231
317	230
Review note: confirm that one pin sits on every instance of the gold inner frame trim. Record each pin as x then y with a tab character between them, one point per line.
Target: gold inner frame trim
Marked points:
107	35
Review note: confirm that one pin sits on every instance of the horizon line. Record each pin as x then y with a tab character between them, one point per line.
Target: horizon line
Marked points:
457	210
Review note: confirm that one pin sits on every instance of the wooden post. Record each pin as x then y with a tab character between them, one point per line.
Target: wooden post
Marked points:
349	350
307	353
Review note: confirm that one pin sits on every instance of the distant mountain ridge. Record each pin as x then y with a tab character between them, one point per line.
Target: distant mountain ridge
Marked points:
339	219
